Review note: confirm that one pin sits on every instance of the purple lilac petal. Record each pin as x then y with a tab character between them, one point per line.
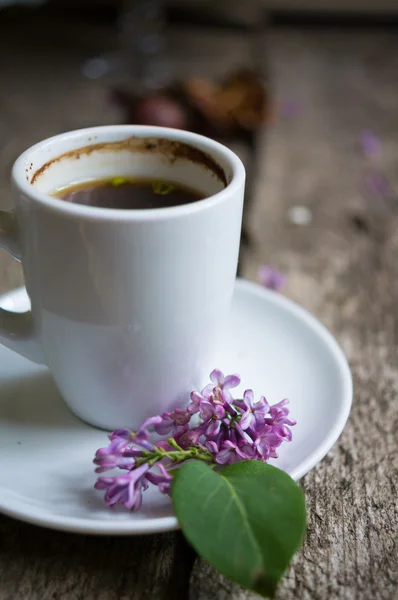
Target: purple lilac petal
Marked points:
370	143
125	489
120	434
180	416
279	416
280	404
273	453
117	454
222	435
219	412
231	453
166	424
222	397
107	462
378	184
148	424
248	398
254	415
262	448
218	397
196	400
133	452
267	442
271	437
212	447
252	433
213	427
240	405
228	454
190	437
271	278
211	412
283	432
222	382
233	437
142	431
206	410
231	381
170	423
242	454
247	420
103	483
111	456
260	409
240	431
207	391
248	450
217	377
216	394
116	446
126	436
223	457
162	480
165	445
228	406
143	442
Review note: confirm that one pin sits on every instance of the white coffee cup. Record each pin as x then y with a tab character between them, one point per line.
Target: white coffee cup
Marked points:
128	306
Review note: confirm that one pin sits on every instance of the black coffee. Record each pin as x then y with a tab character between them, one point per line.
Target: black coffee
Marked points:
123	193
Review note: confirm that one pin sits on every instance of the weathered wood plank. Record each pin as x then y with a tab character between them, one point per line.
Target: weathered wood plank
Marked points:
347	276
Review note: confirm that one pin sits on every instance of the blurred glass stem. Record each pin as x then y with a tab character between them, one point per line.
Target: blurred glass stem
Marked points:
141	28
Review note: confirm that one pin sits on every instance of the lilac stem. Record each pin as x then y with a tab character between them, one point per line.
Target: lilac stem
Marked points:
176	456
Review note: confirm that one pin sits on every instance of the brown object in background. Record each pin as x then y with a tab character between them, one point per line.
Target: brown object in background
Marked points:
238	103
233	108
161	110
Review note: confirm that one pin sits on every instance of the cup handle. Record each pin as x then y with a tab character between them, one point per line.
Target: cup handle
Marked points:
17	330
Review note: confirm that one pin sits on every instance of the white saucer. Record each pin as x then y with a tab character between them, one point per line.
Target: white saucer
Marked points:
46	471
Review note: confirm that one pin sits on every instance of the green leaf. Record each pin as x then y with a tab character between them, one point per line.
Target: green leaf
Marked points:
247	520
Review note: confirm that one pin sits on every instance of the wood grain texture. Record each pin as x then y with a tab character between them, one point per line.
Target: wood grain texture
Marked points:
342	267
345	274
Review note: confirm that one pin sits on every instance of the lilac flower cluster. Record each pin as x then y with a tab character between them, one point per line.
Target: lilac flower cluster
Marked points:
214	427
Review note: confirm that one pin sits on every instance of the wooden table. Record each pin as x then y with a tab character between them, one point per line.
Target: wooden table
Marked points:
343	267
